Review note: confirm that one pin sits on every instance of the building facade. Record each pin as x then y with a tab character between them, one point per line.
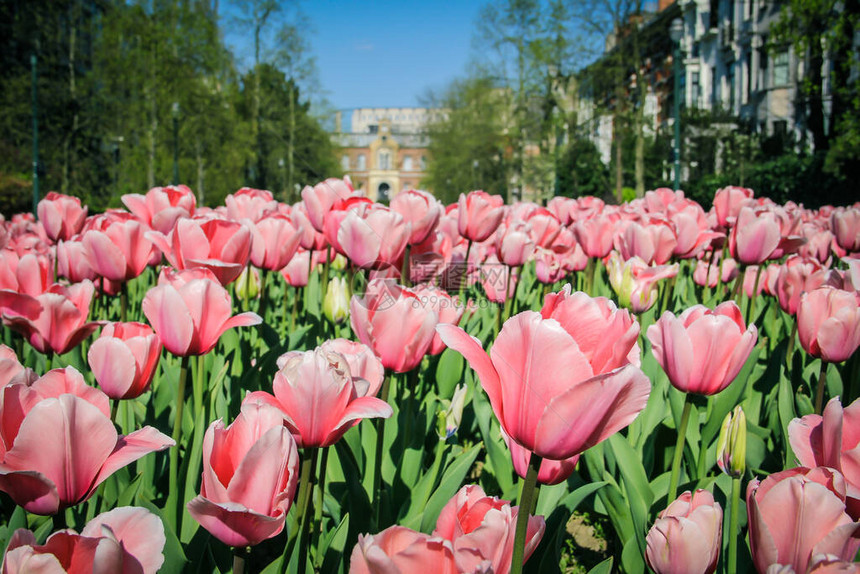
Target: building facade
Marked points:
384	150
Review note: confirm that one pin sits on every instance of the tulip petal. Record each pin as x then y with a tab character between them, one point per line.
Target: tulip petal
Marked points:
30	489
233	524
129	448
105	257
113	366
471	349
169	316
262	471
140	532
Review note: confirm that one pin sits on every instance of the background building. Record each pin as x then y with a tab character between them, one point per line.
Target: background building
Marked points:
384	150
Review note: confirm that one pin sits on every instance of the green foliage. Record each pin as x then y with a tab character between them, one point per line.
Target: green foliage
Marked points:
580	170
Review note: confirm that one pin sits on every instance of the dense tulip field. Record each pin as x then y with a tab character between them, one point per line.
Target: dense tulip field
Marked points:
343	386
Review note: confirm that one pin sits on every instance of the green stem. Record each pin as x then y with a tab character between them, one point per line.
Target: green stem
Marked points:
123	302
307	495
170	509
377	463
668	291
264	300
317	528
525	504
589	276
240	553
754	293
790	350
298	293
465	277
819	391
326	270
499	317
736	288
113	410
732	564
49	360
507	299
679	450
514	306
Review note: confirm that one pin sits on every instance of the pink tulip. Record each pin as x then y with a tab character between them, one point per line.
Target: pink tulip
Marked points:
562	208
446	307
717	272
702	351
481	528
319	397
320	198
829	564
11	370
846	227
390	319
563	403
363	364
221	246
250	471
161	207
275	241
31	274
514	244
728	202
544	227
190	316
799	513
399	550
311	239
550	471
828	323
498	281
46	476
374	237
61	215
799	275
635	282
756	236
595	235
73	261
121	251
123	359
662	199
55	321
653	242
692	232
295	273
421	210
126	539
248	203
687	536
833	440
479	215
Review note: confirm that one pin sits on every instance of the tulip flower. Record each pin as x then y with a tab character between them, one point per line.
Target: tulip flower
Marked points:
653	242
756	236
732	443
73	261
161	207
250	472
319	397
12	370
421	210
390	319
448	420
828	323
831	439
374	237
446	307
47	476
481	528
247	285
190	316
296	271
29	275
126	539
686	537
55	321
219	245
845	224
363	364
712	273
514	244
319	199
398	550
61	215
336	300
120	251
479	215
123	359
595	235
544	227
799	513
562	404
635	282
702	351
549	472
249	203
799	275
275	241
728	202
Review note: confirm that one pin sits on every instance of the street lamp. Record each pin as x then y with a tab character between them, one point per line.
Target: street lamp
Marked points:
174	111
676	32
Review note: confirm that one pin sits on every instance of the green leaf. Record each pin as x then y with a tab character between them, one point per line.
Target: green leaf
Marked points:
604	567
449	372
334	547
452	478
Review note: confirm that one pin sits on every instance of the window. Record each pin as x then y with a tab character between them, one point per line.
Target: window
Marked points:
407	163
694	89
344	162
362	162
383	159
423	163
780	69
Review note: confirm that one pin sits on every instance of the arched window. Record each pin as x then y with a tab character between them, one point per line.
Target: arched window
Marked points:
407	163
362	162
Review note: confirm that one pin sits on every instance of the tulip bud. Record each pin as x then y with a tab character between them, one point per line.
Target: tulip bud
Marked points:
448	420
732	444
621	279
339	262
336	302
248	284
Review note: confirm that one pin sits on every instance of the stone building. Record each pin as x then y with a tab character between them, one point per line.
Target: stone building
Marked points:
384	150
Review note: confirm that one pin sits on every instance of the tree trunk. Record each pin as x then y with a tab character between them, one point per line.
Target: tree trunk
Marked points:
638	117
68	138
814	99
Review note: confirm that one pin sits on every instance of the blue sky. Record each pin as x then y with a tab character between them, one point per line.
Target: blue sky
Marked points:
387	53
376	53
